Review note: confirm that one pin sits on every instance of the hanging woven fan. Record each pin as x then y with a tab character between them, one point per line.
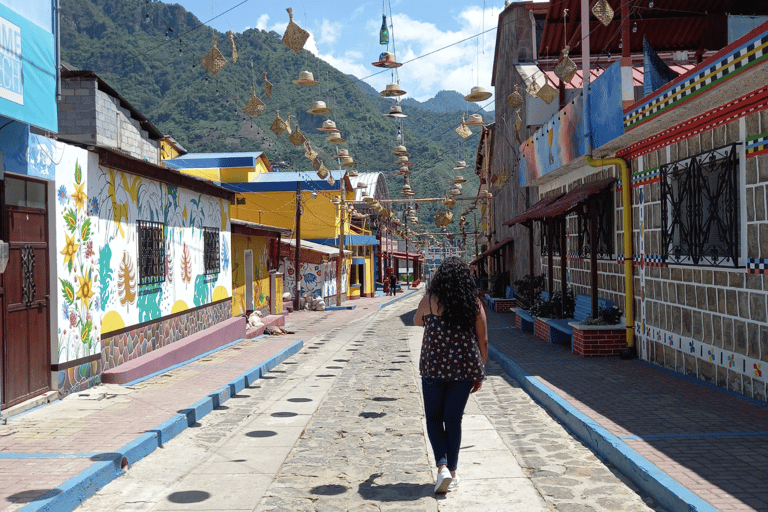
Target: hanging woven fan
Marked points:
255	107
288	125
603	12
309	151
330	179
267	87
295	36
232	45
463	130
297	138
534	88
547	93
515	99
278	126
213	60
518	122
503	177
565	69
322	170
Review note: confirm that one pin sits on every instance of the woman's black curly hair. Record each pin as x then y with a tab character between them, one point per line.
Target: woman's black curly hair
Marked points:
456	291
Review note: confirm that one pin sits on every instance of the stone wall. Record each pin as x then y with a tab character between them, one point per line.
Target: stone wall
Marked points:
707	322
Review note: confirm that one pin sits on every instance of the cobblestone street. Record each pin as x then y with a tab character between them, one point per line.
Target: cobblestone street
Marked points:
339	426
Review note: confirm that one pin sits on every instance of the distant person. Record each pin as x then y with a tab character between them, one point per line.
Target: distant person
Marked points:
392	284
452	365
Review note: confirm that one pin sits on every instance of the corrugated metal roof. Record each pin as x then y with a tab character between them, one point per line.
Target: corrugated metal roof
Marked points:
532	212
575	197
670	25
376	185
215	160
493	249
312	246
286	182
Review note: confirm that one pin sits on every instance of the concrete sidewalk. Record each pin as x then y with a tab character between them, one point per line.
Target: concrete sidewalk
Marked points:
55	456
690	445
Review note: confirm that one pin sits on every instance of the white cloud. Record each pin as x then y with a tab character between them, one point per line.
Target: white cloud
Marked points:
329	32
261	23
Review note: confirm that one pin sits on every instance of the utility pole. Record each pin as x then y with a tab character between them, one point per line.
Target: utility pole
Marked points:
341	260
297	267
407	255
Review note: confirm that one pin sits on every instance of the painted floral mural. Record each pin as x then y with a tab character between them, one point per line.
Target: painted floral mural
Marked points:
98	278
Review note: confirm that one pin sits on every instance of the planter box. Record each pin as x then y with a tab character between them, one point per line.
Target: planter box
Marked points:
598	340
541	329
504	305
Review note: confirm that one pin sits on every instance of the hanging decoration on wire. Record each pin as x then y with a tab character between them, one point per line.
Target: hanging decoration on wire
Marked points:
278	125
213	60
309	151
463	130
297	138
232	45
516	99
565	69
603	12
267	86
547	92
255	106
294	37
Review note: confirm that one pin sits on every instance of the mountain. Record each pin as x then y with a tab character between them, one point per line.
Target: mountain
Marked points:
150	52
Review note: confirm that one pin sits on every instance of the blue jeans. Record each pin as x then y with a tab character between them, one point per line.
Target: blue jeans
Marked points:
444	403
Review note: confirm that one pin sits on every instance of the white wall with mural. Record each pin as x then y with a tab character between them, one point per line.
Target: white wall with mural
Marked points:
317	278
97	281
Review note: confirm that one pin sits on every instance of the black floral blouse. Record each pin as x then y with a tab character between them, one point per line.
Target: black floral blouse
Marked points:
448	353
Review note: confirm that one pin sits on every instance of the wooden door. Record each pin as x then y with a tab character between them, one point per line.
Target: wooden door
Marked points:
26	352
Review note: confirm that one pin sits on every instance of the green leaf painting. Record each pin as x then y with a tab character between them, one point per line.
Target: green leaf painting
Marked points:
105	275
149	306
85	231
67	291
78	173
203	290
85	332
70	220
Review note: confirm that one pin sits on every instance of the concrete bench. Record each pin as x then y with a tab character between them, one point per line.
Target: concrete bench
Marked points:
524	320
559	330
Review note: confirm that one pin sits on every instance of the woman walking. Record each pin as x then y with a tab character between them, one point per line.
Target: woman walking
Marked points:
453	355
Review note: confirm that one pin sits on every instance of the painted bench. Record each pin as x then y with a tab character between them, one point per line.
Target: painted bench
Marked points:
559	330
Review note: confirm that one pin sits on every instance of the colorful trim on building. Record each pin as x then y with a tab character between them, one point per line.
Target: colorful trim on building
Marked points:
757	266
757	145
751	53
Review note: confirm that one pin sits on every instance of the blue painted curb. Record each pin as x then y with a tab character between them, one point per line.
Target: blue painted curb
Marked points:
339	308
390	302
72	493
664	489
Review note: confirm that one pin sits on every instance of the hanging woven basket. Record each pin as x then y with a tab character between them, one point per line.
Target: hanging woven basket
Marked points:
267	87
547	93
309	151
297	138
603	12
566	68
515	99
278	125
288	125
322	170
295	36
255	107
463	130
213	60
330	179
533	89
232	45
518	122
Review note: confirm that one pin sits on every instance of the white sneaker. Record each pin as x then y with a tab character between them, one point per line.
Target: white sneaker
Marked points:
455	483
444	479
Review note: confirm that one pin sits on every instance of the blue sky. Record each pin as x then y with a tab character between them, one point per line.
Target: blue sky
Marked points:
345	34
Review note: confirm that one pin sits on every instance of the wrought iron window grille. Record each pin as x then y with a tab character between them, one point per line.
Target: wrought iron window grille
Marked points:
605	236
700	209
550	227
151	252
211	252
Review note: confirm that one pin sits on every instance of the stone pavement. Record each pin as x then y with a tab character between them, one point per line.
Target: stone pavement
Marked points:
54	455
690	445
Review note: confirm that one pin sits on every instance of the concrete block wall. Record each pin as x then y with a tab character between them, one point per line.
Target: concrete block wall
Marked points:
708	322
91	116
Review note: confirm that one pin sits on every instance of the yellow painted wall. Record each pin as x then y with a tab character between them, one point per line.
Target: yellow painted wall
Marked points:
279	209
206	174
167	151
260	248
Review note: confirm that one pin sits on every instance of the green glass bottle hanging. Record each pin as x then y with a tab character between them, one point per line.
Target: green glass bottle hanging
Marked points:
384	33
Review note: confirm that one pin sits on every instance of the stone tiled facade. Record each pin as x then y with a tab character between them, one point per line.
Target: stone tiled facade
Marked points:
129	345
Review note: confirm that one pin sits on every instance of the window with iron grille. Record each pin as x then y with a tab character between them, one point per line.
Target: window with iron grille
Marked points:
151	252
550	227
211	250
700	209
604	204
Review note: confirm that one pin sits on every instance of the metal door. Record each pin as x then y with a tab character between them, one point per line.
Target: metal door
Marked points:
248	262
26	352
